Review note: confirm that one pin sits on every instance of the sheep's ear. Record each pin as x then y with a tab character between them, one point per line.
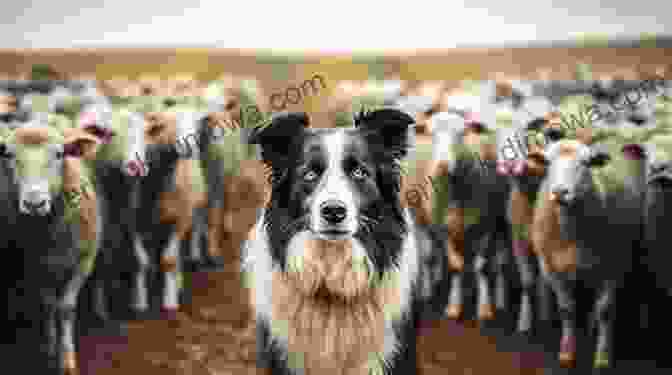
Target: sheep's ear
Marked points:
634	151
80	146
277	138
387	130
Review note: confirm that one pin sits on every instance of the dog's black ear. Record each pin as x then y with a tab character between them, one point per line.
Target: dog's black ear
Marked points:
277	137
388	130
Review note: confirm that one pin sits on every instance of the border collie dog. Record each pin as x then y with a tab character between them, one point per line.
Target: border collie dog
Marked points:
333	262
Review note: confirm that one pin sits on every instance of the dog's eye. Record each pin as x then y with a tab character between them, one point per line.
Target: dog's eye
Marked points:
359	173
310	176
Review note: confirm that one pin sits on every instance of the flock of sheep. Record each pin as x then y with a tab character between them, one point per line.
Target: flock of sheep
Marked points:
580	206
85	211
94	193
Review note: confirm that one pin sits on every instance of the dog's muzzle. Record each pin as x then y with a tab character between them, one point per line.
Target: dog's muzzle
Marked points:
333	214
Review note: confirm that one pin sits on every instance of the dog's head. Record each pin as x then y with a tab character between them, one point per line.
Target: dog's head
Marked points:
333	229
336	187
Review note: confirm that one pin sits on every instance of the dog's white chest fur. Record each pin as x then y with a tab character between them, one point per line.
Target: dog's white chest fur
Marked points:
273	304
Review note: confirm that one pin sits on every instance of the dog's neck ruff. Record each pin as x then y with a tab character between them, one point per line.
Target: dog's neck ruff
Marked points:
323	337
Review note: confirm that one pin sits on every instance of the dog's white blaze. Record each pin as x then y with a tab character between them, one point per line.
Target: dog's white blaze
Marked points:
335	185
257	262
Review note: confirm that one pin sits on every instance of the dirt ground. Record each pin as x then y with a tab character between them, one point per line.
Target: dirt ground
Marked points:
215	335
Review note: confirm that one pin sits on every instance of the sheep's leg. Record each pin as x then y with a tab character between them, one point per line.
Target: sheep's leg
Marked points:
544	300
170	266
65	314
522	254
101	310
564	291
198	230
141	295
500	283
454	308
485	307
456	298
214	230
51	331
604	316
544	292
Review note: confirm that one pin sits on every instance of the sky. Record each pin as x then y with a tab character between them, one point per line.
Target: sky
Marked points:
341	25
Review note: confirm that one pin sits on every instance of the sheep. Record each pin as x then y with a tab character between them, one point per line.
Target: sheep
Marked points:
39	160
219	133
119	165
469	198
190	143
658	179
525	174
202	136
418	196
167	199
574	244
654	277
537	124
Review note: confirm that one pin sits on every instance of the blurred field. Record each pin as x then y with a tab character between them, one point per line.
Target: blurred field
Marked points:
476	63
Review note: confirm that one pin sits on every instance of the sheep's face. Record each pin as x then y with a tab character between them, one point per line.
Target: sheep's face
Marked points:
37	162
659	163
96	120
162	127
134	162
569	170
459	141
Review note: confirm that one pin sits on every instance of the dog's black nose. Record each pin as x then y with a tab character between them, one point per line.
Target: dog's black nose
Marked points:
333	211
